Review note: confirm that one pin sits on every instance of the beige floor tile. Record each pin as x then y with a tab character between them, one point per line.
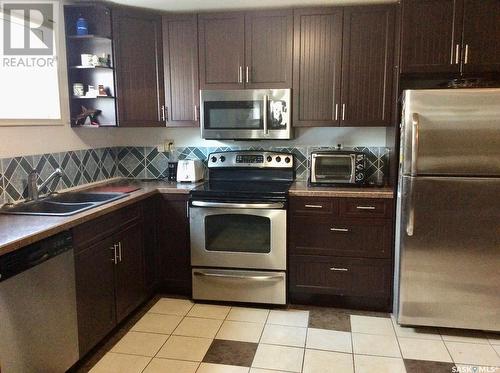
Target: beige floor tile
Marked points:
494	339
467	336
185	348
209	311
240	331
379	345
174	366
170	306
419	349
120	363
469	353
198	327
259	370
157	323
322	339
497	349
378	364
138	343
219	368
289	317
284	335
316	361
274	357
416	332
371	325
248	314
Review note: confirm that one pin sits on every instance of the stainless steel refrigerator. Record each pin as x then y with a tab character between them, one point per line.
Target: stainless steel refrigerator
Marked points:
448	226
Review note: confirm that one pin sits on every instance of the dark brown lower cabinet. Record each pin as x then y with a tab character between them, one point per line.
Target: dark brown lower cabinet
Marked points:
174	257
129	271
109	273
95	292
341	252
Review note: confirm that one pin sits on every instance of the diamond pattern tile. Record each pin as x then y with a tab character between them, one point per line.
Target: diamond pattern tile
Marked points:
156	164
131	162
16	172
71	165
108	163
90	166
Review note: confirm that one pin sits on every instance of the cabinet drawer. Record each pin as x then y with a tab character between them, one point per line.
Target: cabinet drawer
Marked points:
313	206
365	208
105	225
340	276
341	237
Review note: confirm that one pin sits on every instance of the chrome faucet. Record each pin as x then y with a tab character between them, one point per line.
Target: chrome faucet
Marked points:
33	187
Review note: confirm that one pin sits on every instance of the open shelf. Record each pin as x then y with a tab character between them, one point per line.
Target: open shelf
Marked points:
91	98
91	67
89	37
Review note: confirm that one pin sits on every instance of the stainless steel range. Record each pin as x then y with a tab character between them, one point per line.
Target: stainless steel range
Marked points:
238	227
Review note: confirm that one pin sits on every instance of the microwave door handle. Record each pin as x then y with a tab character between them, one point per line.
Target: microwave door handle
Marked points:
264	111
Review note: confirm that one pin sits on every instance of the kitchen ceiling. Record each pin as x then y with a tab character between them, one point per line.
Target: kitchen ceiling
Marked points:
198	5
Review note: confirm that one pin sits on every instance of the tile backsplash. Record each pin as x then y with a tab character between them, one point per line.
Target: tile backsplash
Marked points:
90	165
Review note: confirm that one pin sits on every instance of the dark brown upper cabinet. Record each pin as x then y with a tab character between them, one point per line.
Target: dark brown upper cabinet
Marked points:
450	36
222	50
367	66
317	66
481	37
431	36
268	49
246	50
139	68
343	66
180	61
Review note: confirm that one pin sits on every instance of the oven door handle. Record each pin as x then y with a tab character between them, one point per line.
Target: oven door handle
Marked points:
277	205
239	277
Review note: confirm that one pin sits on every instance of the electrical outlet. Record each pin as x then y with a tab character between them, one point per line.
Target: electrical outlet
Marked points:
168	145
160	148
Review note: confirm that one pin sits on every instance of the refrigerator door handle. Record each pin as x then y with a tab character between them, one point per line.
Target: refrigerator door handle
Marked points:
414	144
410	223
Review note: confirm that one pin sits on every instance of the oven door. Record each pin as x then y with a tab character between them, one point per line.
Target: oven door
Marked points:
333	168
245	114
238	235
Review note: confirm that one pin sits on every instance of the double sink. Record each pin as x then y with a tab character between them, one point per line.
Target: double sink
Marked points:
64	204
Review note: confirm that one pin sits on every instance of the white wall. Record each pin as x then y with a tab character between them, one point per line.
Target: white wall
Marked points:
15	141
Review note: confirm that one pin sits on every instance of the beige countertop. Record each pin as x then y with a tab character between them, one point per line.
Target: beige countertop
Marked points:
17	231
301	189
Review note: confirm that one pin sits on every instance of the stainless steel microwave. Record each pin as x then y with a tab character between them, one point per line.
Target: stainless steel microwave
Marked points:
252	114
338	167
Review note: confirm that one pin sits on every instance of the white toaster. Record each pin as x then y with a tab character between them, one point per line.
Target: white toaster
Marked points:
190	170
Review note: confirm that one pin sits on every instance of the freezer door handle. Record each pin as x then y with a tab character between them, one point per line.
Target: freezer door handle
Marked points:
414	143
410	223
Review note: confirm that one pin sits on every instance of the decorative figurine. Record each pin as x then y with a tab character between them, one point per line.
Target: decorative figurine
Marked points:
92	114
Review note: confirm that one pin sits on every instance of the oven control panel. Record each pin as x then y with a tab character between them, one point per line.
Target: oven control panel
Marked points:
252	159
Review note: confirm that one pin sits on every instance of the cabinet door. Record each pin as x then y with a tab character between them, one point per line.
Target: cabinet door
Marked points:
129	273
222	50
150	210
95	293
317	66
139	68
367	66
268	49
481	36
180	61
431	36
174	262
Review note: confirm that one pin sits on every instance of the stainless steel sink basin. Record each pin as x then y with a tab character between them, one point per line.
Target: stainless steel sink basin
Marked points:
47	208
84	197
64	204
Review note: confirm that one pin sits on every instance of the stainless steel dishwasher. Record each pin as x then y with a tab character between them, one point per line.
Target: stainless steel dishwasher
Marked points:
38	324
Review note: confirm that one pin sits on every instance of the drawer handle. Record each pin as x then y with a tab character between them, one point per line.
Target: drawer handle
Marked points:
313	206
239	277
339	229
335	269
365	207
